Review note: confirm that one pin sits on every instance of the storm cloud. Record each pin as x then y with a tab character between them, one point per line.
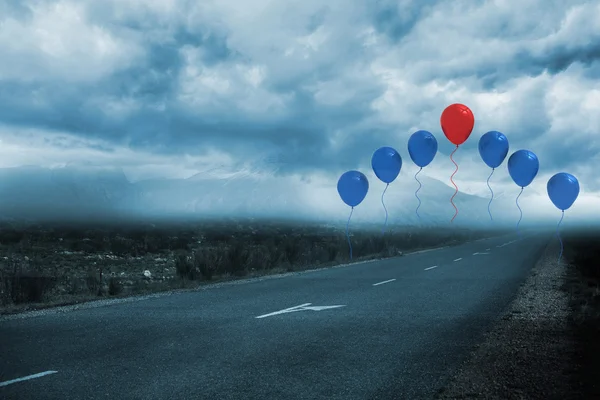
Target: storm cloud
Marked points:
173	87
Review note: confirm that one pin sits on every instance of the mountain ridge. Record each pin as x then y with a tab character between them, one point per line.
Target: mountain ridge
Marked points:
95	192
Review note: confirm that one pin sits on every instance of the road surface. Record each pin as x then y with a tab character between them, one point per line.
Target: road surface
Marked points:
392	329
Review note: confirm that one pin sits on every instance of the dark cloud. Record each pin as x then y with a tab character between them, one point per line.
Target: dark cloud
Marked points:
565	151
299	88
17	9
396	19
557	59
317	19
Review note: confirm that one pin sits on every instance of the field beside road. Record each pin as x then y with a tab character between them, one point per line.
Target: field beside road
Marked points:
49	265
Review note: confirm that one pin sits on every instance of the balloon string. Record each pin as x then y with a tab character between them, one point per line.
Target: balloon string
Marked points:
492	192
456	187
347	234
417	193
386	212
558	235
520	211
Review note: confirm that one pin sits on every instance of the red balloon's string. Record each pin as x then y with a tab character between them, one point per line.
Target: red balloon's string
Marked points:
456	187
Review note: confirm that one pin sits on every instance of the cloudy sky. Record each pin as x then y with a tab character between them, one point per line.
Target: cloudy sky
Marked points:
304	89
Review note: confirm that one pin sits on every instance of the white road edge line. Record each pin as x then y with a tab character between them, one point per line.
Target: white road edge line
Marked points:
381	283
26	378
458	259
291	309
427	269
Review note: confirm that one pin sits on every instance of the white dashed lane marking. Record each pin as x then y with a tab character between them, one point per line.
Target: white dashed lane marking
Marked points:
381	283
26	378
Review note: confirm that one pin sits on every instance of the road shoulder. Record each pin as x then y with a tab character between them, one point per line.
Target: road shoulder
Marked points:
530	353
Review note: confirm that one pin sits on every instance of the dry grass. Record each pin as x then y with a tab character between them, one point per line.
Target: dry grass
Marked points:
582	249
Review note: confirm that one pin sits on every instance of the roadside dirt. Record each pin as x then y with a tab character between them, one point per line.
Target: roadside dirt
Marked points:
532	352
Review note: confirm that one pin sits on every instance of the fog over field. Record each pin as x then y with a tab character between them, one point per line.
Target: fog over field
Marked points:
99	193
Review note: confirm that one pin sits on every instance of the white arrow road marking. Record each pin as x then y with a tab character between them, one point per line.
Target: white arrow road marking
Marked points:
26	378
301	307
287	310
320	308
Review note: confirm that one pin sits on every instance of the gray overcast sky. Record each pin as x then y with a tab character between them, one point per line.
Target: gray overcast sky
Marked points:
173	88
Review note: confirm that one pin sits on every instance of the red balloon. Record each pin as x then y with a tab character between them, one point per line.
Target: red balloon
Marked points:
457	123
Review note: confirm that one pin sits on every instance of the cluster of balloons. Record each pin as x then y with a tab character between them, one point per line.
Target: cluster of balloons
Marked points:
457	122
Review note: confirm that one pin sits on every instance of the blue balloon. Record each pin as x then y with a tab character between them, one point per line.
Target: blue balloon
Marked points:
422	148
493	148
353	187
386	163
563	190
523	167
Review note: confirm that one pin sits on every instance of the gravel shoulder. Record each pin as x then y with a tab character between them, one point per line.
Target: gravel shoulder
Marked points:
532	351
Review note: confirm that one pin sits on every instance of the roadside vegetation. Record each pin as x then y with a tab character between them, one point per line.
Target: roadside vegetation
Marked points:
582	250
48	265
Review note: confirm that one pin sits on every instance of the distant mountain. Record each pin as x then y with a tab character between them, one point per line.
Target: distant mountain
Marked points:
96	193
238	194
40	193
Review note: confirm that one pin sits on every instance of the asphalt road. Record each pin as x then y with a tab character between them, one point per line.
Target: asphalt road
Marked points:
400	339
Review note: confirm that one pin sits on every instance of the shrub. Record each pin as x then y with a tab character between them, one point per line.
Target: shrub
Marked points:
179	243
236	258
184	266
206	261
261	258
25	287
93	283
114	286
